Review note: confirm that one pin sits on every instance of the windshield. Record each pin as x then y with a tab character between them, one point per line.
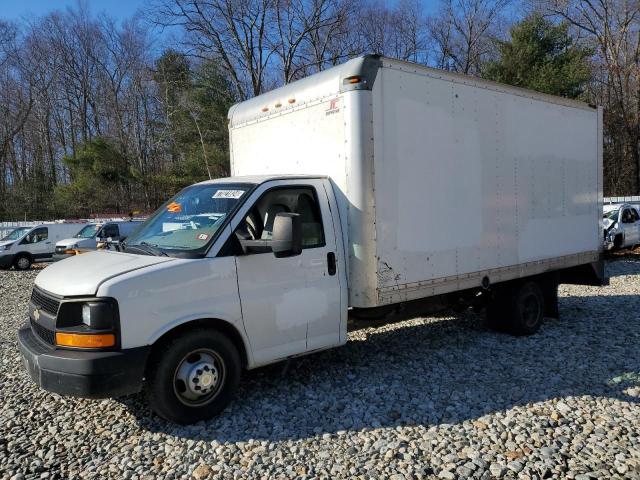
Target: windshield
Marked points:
16	234
88	232
190	220
612	215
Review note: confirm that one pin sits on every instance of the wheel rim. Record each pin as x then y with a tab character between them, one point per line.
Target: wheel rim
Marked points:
23	263
199	377
530	310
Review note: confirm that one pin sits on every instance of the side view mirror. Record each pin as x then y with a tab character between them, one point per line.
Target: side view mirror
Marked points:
286	240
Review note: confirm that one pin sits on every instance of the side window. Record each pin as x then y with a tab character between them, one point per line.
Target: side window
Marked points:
309	210
36	236
626	216
634	215
109	231
258	224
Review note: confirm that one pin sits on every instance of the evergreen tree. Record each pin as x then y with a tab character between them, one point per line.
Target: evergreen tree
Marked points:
542	56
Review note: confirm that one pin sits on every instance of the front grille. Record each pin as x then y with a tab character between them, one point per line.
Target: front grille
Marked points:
44	301
48	336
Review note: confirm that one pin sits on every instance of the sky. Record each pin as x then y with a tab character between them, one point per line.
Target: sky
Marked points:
119	9
18	9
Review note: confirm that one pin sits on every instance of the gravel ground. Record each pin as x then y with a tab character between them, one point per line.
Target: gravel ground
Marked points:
438	396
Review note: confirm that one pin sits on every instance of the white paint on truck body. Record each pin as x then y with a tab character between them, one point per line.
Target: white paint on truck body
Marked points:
441	179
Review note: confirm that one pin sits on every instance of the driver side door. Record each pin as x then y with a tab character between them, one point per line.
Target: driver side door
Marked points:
629	227
37	243
284	299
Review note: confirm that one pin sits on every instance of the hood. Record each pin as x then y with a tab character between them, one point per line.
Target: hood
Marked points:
83	274
68	241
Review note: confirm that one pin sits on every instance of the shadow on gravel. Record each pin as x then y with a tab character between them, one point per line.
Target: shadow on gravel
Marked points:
445	371
625	264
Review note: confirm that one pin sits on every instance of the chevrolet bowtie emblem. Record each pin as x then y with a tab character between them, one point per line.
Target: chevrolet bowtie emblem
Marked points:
36	314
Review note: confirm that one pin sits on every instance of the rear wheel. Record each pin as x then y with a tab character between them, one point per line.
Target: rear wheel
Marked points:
527	309
22	262
193	376
517	308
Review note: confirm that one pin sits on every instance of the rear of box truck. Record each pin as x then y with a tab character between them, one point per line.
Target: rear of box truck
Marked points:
443	181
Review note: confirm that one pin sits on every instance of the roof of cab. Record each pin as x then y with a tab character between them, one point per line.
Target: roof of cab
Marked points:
258	179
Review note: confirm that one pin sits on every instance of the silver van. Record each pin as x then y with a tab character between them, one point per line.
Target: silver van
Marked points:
26	245
92	234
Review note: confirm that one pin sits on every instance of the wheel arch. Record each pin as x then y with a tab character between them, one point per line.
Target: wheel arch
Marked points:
23	253
222	326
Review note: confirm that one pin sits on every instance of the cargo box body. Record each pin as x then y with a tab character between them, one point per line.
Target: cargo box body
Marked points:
443	181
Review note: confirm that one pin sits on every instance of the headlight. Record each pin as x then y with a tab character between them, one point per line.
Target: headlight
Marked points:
88	324
98	315
5	247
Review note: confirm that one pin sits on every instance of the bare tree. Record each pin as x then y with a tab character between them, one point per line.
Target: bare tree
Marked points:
463	33
235	32
302	32
613	26
333	42
399	31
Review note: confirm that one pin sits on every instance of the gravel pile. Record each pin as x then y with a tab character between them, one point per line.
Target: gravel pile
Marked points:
438	396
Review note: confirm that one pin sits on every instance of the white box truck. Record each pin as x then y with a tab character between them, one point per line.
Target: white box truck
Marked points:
371	184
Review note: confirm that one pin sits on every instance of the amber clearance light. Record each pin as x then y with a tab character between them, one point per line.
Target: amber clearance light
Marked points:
352	80
85	340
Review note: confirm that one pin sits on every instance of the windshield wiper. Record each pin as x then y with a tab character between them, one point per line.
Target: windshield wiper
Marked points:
148	248
158	252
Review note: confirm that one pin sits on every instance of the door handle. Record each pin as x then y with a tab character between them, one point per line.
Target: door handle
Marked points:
331	263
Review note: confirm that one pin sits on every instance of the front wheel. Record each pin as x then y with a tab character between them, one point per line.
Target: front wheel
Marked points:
22	262
193	376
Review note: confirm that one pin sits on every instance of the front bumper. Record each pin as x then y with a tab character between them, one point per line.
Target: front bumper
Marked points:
90	374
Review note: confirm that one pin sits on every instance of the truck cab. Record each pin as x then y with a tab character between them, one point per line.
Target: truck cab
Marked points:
228	274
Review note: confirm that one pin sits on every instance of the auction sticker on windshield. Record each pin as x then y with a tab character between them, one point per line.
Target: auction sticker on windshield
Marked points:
228	194
174	207
202	236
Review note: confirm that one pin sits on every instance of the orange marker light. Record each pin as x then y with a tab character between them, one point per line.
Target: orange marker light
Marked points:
265	109
81	340
353	80
292	100
278	105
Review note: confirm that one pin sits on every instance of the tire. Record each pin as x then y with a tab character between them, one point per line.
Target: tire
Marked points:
22	262
517	309
373	313
618	242
182	365
497	312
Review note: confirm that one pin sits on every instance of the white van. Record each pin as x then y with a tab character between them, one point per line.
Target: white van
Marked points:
89	237
33	244
367	185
